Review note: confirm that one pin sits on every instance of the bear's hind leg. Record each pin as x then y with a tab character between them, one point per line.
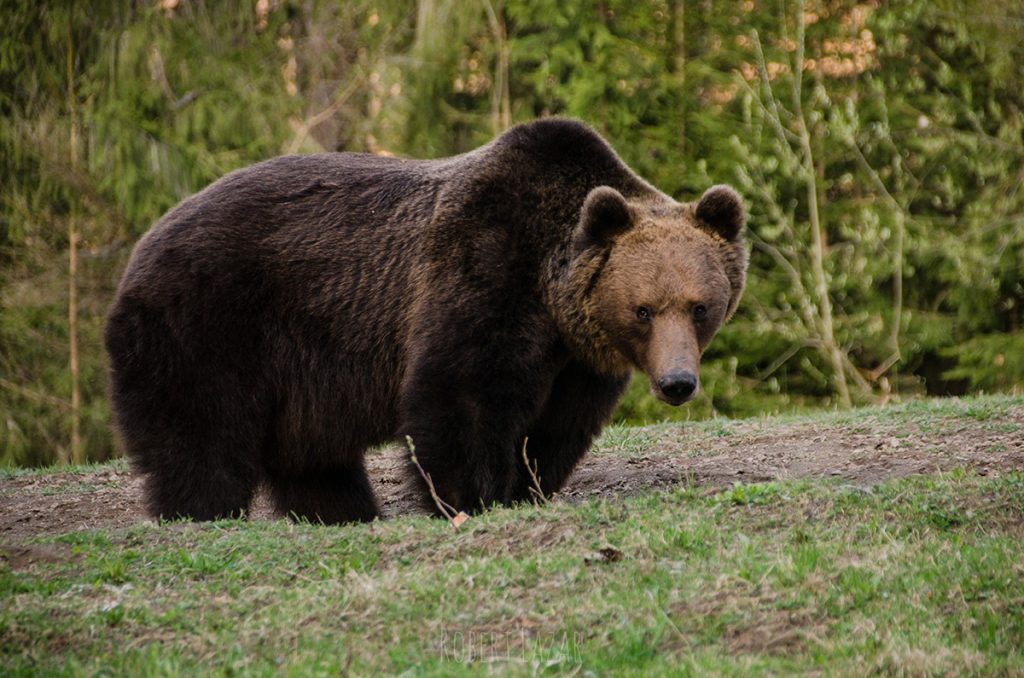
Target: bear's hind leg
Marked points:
329	496
195	448
197	461
203	492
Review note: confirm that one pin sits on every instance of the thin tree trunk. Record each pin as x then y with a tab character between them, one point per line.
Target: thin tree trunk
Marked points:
424	23
820	279
818	244
501	105
76	396
900	216
897	284
677	62
506	95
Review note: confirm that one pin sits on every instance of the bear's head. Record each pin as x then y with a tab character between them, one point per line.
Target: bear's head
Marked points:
654	280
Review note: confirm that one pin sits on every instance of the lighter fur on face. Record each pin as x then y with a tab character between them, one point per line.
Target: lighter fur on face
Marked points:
666	263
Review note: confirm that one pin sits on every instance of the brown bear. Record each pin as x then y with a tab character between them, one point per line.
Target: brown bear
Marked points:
271	328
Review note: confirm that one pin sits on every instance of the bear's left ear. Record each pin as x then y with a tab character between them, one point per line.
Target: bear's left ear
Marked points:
604	214
721	211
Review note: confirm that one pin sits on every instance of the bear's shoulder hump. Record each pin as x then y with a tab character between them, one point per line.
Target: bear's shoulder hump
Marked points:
556	137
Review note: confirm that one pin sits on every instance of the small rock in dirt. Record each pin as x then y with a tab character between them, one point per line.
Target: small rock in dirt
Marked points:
609	554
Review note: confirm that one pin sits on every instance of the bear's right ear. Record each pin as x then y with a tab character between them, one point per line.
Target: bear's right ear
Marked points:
605	214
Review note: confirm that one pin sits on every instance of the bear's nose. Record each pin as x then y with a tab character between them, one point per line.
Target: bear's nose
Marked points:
678	386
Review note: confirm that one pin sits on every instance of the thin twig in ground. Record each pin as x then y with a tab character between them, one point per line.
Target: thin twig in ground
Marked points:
535	488
454	516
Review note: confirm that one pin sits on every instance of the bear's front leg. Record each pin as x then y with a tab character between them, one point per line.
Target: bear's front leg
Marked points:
578	407
464	417
464	439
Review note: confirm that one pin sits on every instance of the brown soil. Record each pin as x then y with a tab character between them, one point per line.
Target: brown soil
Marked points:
864	453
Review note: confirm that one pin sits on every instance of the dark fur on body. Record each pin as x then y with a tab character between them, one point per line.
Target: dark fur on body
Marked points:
271	328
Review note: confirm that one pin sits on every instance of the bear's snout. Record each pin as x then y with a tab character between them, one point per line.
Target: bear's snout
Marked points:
676	388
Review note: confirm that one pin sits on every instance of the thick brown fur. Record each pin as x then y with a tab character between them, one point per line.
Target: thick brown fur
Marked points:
273	327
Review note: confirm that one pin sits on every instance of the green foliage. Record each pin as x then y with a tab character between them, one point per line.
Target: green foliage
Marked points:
990	362
164	124
913	112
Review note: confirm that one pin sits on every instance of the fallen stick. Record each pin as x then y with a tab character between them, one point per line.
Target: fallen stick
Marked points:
454	516
535	489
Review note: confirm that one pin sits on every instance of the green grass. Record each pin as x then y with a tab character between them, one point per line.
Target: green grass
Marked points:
63	469
933	413
922	575
918	576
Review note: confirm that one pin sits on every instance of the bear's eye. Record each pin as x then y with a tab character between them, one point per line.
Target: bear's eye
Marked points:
700	312
643	314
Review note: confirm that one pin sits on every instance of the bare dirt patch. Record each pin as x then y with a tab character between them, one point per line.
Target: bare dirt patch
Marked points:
863	453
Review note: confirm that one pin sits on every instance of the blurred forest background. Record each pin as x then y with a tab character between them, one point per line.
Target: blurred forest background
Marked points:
879	146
